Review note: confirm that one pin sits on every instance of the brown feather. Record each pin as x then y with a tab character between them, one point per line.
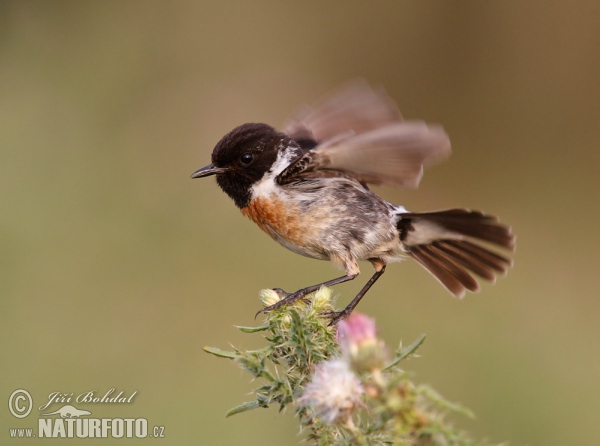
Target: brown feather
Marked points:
445	277
355	107
495	261
472	224
443	243
358	130
467	260
394	154
458	271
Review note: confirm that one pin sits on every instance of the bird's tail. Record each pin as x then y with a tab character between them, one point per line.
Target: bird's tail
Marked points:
449	245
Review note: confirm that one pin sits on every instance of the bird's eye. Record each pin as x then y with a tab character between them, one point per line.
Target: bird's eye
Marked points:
246	158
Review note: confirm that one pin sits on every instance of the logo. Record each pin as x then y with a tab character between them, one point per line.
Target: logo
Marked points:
69	421
68	411
20	403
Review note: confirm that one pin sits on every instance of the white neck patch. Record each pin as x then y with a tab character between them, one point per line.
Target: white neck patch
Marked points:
267	185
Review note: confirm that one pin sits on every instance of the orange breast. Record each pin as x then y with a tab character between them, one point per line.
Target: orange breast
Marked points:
276	219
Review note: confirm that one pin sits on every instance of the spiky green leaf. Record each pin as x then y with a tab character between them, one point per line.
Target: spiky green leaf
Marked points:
405	352
242	408
220	353
252	329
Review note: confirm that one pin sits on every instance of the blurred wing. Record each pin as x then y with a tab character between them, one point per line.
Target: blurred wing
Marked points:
355	107
394	154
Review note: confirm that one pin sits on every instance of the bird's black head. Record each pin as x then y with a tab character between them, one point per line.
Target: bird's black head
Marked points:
242	157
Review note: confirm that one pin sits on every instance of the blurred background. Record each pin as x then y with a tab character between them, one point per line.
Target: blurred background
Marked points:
116	269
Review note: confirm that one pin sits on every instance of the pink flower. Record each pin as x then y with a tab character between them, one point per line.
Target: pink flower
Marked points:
355	331
357	336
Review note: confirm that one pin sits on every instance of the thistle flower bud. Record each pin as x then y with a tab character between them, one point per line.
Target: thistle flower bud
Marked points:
269	297
321	301
333	392
357	337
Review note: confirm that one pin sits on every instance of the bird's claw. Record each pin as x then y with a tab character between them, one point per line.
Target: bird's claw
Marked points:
282	294
335	316
286	298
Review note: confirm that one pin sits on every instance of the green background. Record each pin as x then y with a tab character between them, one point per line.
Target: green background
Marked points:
116	268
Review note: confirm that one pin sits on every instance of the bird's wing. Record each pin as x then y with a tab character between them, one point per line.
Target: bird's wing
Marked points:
355	106
359	131
394	154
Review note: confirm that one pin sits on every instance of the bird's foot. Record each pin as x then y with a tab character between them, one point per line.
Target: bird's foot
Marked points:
286	299
336	316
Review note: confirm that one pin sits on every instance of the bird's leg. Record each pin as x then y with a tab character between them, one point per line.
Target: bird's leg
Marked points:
337	316
288	298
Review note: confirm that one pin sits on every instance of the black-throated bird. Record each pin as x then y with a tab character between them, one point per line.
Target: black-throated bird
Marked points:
307	188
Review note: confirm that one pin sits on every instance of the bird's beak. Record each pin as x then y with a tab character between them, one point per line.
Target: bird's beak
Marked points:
206	171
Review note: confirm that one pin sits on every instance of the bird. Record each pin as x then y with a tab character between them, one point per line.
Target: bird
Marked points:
307	187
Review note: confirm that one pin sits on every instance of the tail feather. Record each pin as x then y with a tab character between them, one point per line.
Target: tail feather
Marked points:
455	278
467	260
474	224
493	260
448	245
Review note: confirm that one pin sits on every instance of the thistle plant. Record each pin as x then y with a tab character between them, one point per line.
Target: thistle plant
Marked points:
344	384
